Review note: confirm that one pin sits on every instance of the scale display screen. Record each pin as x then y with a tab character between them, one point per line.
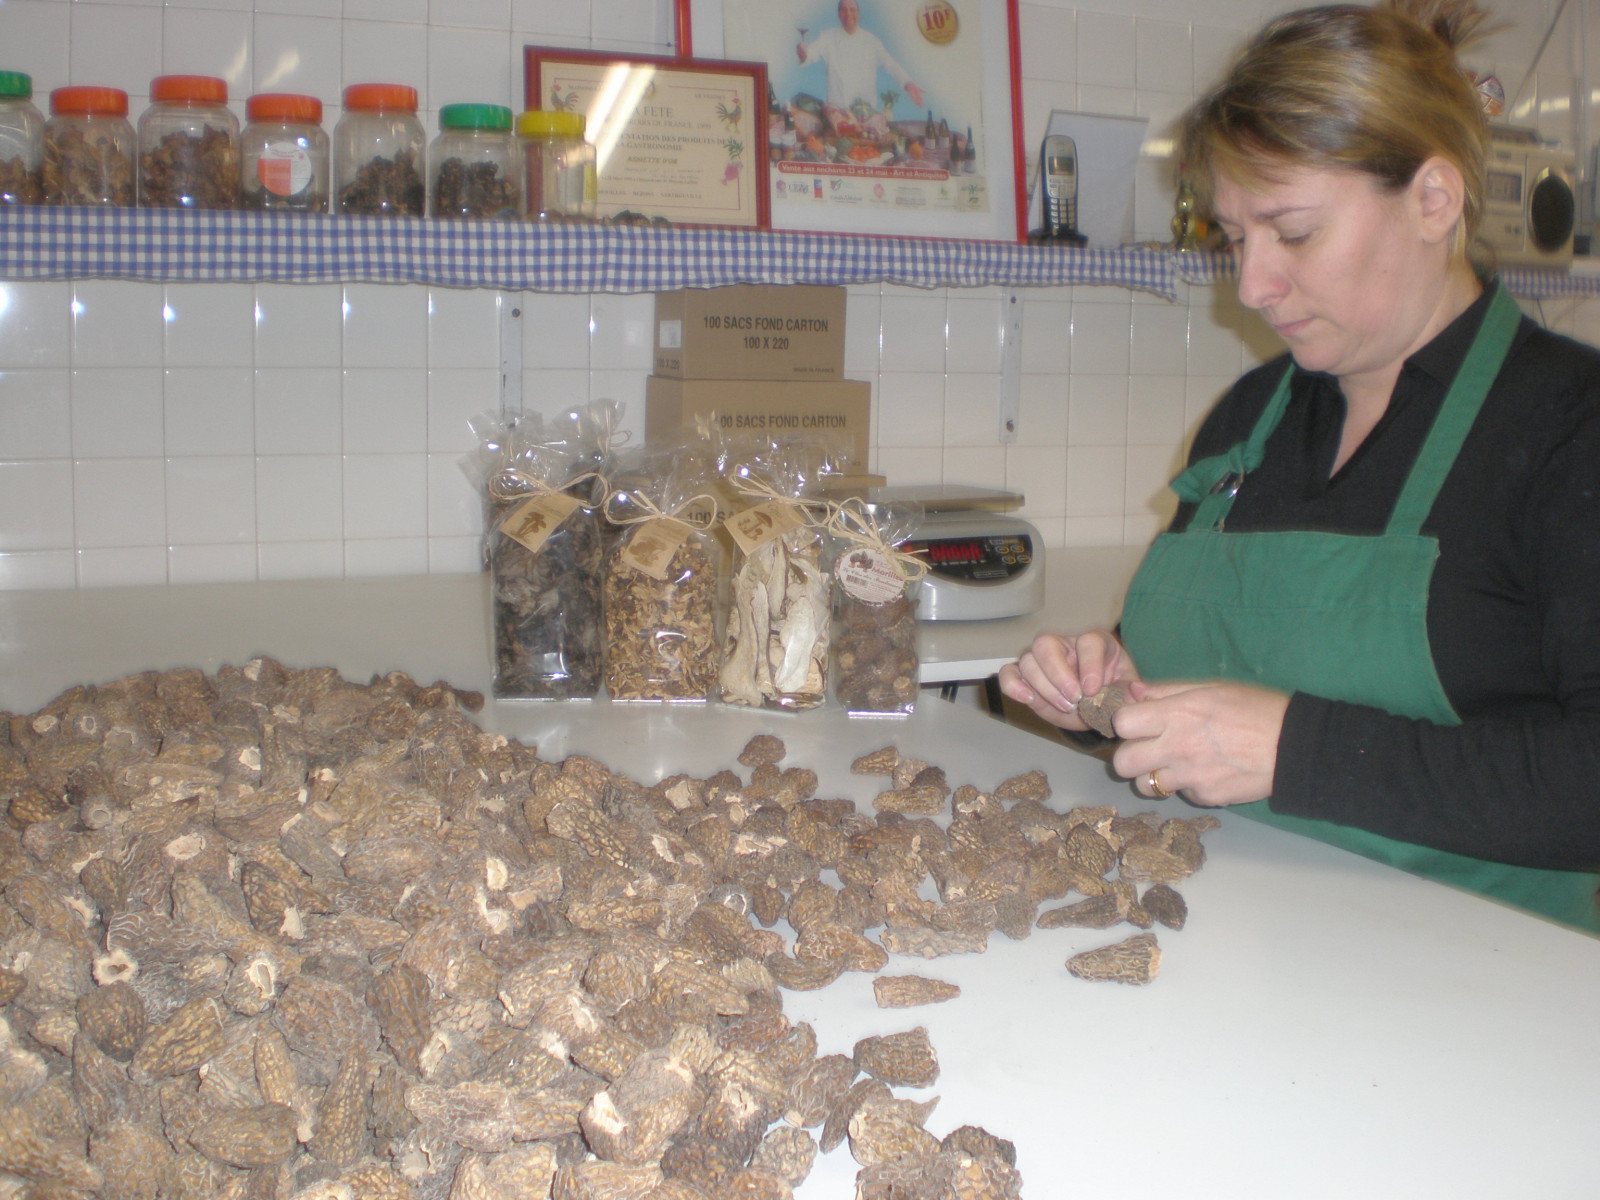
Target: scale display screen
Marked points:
975	559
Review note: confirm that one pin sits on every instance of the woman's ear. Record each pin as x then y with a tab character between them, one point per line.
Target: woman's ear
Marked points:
1440	193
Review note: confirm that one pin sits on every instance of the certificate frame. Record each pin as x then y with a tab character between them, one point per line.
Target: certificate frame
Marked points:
885	205
699	121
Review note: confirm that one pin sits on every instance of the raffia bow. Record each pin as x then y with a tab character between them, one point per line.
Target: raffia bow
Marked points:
508	483
697	513
762	492
851	522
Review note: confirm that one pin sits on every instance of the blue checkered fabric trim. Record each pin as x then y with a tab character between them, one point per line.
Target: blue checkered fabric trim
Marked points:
162	245
173	245
1530	283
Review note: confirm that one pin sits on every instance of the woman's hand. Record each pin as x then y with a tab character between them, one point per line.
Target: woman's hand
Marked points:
1217	743
1056	672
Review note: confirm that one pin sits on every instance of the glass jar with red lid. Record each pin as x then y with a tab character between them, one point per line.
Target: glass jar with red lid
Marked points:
380	152
21	140
188	145
283	153
89	148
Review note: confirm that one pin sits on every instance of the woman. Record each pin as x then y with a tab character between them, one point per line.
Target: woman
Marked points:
1376	616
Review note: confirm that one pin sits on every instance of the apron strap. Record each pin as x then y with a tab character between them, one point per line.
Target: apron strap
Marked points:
1213	482
1472	382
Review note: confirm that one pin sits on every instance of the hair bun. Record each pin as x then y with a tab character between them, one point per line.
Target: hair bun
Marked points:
1456	23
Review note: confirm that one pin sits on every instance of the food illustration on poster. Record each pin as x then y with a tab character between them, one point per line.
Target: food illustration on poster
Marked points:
870	103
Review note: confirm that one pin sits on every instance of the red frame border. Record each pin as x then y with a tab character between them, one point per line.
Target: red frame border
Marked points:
683	22
756	72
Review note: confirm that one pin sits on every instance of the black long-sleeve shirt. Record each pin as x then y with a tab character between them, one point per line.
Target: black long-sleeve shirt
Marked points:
1513	609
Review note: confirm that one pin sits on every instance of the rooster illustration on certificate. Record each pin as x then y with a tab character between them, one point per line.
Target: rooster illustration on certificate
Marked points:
872	104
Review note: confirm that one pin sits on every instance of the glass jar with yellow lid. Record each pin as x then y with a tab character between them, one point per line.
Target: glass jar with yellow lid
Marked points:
560	181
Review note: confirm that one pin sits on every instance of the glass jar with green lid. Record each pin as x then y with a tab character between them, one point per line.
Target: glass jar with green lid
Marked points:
560	166
476	168
21	140
89	148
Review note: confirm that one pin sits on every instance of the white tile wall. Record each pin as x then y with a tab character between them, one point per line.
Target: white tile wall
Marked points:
192	432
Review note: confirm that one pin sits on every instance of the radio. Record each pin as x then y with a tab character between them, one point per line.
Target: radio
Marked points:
1530	204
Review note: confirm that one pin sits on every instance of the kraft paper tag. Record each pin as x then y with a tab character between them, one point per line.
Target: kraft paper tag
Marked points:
536	518
755	527
651	546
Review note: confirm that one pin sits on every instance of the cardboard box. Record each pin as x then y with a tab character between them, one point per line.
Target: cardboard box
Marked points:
751	331
842	409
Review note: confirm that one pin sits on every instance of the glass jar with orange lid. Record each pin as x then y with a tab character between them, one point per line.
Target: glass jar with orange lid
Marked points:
21	140
89	148
380	152
283	154
188	145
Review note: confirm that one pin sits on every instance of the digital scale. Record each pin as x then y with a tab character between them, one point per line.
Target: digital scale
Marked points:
982	563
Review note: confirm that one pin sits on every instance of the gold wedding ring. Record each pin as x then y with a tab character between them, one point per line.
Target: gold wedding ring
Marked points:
1156	789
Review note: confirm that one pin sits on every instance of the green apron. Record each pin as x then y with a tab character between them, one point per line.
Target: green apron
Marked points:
1333	615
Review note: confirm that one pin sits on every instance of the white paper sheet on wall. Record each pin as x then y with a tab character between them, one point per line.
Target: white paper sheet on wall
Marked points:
1108	150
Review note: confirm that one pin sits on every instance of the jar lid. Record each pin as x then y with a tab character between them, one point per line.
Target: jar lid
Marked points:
375	97
16	84
285	107
89	102
538	123
194	89
475	116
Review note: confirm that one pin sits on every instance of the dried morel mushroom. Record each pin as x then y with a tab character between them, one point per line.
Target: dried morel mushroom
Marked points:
323	939
1136	960
878	762
1099	709
900	1059
908	991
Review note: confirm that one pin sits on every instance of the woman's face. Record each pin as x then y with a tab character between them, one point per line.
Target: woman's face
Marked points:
1341	268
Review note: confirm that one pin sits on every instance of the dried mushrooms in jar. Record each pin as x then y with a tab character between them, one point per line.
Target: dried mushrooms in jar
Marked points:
544	549
188	145
89	148
875	596
660	602
775	649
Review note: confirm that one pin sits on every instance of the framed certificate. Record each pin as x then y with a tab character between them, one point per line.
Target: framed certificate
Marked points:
675	139
882	116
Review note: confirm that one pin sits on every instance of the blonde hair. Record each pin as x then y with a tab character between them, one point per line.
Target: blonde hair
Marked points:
1347	87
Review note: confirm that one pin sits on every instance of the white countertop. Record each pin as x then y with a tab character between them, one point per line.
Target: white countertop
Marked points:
1323	1027
377	622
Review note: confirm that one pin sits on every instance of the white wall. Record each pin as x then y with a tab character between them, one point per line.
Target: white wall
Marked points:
183	433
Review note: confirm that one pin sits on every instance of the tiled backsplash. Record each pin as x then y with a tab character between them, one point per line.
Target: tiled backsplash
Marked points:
201	432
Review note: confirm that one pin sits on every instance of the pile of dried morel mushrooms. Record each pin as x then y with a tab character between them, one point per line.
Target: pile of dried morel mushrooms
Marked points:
270	933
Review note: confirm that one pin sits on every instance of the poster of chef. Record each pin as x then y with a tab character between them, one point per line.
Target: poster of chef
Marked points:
875	112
